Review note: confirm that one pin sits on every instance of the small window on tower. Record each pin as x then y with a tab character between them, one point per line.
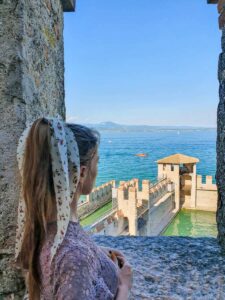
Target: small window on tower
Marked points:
172	168
164	167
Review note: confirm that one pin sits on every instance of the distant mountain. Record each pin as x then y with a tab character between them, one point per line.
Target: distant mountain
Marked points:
111	126
108	125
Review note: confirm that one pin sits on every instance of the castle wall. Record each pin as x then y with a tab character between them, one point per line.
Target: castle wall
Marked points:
193	200
113	228
192	193
98	197
208	185
161	214
205	197
143	224
172	172
149	210
112	224
157	191
206	200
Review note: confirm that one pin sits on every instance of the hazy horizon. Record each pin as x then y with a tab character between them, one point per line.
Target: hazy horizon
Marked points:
69	119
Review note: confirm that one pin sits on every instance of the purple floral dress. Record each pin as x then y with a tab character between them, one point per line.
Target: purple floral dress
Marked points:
80	270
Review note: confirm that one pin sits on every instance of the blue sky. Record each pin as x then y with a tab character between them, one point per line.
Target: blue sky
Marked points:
142	62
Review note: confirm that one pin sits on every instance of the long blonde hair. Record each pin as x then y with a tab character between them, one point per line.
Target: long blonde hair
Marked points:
39	195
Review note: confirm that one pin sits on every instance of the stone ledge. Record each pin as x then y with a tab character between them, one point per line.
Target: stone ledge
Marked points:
172	268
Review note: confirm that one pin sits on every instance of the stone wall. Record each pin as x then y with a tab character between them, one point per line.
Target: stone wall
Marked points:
144	211
206	200
43	58
109	224
172	268
220	174
220	177
31	85
161	214
207	185
158	191
206	195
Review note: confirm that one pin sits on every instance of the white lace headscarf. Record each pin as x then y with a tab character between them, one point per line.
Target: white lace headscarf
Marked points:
66	173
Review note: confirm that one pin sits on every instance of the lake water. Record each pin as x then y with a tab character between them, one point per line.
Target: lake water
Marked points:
118	161
193	223
118	149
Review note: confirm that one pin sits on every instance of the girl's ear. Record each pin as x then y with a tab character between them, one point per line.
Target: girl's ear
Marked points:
83	173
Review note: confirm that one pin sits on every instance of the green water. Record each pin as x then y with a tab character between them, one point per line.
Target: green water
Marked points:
193	223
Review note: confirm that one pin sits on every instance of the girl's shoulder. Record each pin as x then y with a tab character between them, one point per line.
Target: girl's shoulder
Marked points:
76	242
79	266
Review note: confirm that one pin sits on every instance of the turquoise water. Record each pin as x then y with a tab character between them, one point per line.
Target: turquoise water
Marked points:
118	161
193	223
118	149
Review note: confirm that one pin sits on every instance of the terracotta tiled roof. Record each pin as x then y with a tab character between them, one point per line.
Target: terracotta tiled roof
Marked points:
177	159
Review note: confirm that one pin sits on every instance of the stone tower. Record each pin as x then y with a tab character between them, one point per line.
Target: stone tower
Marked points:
127	204
181	170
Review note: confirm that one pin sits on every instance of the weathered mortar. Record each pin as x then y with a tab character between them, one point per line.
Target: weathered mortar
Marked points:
31	85
172	268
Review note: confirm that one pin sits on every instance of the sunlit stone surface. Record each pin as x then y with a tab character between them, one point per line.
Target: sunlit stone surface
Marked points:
172	267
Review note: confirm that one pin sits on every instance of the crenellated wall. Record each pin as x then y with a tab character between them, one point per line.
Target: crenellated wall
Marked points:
149	209
98	197
158	190
190	191
207	185
127	203
206	194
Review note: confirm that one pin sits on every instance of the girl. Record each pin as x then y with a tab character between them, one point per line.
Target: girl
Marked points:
58	163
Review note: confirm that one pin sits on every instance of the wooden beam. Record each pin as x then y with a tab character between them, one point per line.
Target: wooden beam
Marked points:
68	5
212	1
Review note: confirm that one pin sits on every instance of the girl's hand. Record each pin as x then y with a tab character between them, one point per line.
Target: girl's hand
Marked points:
117	259
115	255
107	251
117	252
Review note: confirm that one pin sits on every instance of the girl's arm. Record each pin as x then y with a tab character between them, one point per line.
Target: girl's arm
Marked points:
123	293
